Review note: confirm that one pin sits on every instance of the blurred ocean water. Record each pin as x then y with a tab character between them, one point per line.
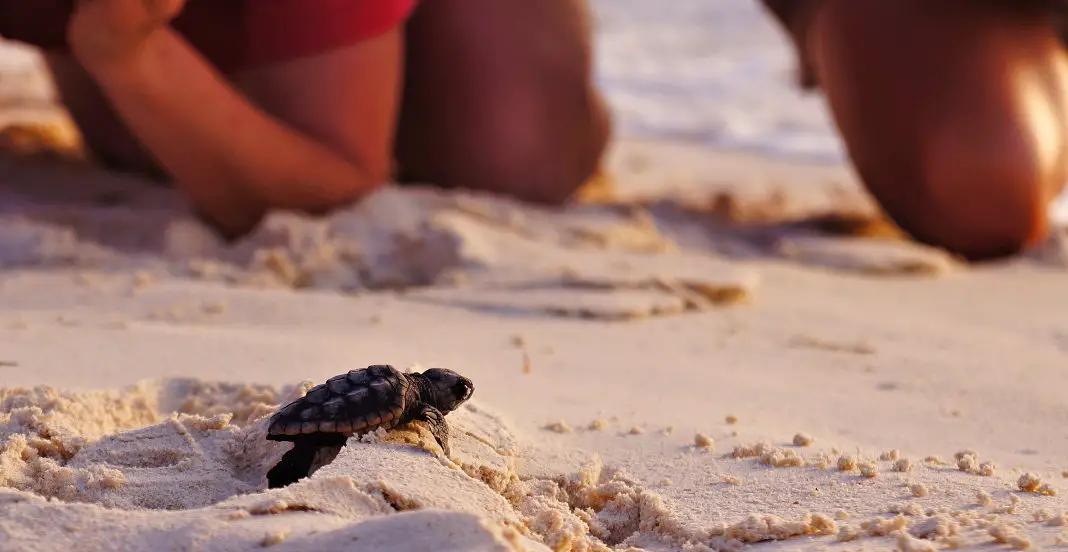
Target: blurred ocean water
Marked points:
717	72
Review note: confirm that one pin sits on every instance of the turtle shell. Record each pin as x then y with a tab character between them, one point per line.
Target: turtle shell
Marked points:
357	402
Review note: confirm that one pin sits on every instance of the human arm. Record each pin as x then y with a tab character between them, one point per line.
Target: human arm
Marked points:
318	136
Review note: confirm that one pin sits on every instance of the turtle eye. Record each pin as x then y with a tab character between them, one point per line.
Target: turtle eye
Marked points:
462	389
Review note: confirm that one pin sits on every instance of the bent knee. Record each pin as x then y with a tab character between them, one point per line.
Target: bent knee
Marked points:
983	210
547	178
976	238
528	174
552	163
514	151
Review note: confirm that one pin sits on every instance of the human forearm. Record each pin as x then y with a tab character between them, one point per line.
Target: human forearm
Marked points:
233	160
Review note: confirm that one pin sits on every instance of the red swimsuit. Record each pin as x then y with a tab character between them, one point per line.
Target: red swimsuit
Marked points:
233	34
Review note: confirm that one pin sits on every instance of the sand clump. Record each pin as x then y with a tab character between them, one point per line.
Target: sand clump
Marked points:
769	455
846	463
903	465
558	427
968	461
1010	534
1032	483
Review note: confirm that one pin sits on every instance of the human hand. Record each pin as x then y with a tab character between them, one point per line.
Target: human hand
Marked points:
106	31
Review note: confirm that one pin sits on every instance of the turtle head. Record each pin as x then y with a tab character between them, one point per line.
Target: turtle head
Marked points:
448	390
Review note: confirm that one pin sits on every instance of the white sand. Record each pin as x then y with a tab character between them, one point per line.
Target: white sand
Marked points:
139	358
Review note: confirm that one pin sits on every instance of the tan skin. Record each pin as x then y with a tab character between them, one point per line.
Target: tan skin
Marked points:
501	93
317	133
279	144
953	114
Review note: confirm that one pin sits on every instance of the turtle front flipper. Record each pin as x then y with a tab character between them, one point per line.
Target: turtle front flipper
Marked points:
323	456
438	428
295	464
307	455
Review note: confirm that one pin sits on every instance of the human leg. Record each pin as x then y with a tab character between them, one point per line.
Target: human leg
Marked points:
499	96
952	113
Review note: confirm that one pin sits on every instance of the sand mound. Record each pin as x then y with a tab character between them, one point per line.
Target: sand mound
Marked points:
101	453
110	447
325	514
114	451
69	478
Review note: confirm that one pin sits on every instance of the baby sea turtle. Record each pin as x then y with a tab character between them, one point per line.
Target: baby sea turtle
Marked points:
380	396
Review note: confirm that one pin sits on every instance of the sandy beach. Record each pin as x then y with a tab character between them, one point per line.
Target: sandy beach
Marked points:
717	351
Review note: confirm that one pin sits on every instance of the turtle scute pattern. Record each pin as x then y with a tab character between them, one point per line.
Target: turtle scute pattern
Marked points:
358	401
